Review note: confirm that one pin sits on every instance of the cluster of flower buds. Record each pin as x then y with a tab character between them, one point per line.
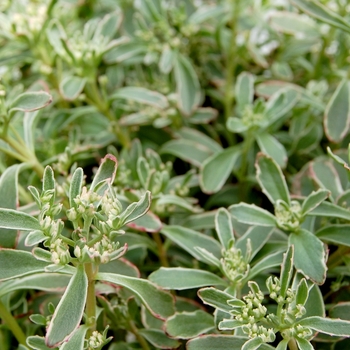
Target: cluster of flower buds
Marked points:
101	252
59	252
97	340
288	217
234	265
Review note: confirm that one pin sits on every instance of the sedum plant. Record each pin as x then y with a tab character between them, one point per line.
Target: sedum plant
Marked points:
226	224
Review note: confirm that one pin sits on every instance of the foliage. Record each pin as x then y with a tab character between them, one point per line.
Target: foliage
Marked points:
174	174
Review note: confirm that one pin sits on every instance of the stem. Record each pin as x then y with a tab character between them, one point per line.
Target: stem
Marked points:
292	344
93	94
138	336
231	62
12	324
161	251
90	308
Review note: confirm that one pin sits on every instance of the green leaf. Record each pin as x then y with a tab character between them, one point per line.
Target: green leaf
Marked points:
180	278
271	179
203	115
186	325
244	90
336	234
294	24
136	210
71	87
34	238
125	51
17	263
49	282
321	12
215	298
76	342
331	210
236	125
266	263
187	150
337	113
309	255
8	200
30	122
166	61
223	226
48	179
37	343
208	257
188	239
31	101
106	172
217	168
252	215
280	104
217	342
108	26
302	292
286	270
201	138
17	220
141	95
313	200
157	301
327	325
258	236
187	85
326	176
304	344
69	311
158	339
252	344
341	310
273	148
147	223
75	185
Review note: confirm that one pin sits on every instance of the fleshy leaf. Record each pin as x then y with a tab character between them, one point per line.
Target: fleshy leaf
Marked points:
272	147
313	200
217	168
327	325
17	263
252	214
70	309
105	172
187	85
244	90
223	226
286	270
159	339
187	325
217	342
189	239
271	179
16	220
76	342
319	11
8	199
75	185
336	234
71	87
180	278
215	298
157	301
142	95
309	255
31	101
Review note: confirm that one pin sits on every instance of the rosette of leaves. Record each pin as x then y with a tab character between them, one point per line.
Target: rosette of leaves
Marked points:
294	217
232	263
75	248
256	122
299	314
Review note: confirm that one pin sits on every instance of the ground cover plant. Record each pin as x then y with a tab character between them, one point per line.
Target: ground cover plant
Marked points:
174	174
